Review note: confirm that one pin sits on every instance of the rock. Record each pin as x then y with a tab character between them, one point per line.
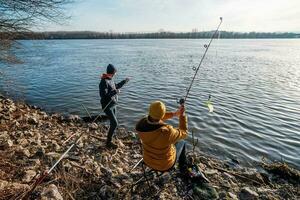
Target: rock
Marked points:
228	176
40	152
8	101
33	120
98	171
55	145
43	115
137	155
132	134
265	190
16	124
120	144
93	126
6	144
232	196
74	118
106	192
205	191
255	176
211	171
29	175
223	195
13	186
55	116
248	194
10	143
12	108
23	142
106	171
51	193
119	170
226	184
22	152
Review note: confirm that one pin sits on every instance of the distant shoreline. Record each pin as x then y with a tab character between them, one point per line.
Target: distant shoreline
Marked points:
154	35
155	39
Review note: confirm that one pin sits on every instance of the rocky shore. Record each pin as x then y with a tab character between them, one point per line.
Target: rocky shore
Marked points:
31	141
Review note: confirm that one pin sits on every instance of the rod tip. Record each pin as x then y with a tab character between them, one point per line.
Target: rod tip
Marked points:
221	18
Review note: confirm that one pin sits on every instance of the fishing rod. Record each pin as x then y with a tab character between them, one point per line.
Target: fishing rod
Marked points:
183	100
40	179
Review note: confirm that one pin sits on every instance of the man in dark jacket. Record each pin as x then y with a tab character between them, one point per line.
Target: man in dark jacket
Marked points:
109	96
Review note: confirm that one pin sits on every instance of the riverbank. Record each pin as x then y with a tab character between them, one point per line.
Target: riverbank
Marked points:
32	140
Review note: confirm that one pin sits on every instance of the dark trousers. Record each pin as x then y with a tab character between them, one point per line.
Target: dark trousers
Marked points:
180	153
111	113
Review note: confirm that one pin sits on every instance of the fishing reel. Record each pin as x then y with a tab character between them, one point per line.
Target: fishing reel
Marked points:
181	101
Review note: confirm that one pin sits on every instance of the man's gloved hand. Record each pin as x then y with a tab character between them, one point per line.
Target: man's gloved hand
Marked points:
180	111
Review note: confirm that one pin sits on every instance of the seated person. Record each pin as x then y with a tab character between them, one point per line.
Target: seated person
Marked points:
163	144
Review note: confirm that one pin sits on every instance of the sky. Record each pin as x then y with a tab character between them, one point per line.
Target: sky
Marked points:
181	15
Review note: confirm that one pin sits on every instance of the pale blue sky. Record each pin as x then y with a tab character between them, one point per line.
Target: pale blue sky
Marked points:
181	15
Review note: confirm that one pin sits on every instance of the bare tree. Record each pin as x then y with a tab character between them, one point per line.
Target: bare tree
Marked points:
19	16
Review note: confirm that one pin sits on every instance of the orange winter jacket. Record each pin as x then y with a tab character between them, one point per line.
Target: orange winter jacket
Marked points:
158	141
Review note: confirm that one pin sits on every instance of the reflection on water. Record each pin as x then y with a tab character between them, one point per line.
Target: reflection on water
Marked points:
254	86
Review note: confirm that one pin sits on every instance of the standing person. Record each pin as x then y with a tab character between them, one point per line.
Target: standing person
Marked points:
109	96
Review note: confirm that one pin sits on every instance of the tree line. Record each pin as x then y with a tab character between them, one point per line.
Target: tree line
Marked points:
154	35
19	16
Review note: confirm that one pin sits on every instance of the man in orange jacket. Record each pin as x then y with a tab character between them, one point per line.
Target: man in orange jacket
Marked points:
162	143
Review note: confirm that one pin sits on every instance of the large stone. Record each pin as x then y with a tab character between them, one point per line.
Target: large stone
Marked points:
22	152
6	144
10	143
74	118
13	186
28	176
248	194
205	191
93	126
23	142
43	115
106	171
120	144
40	152
51	193
106	192
12	108
232	196
33	120
211	171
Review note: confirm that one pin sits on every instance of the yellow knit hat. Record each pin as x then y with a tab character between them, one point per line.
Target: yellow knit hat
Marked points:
157	110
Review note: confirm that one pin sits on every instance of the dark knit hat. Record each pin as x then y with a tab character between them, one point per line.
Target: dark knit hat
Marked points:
111	69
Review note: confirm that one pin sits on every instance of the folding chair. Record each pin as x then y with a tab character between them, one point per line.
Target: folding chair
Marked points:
149	174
